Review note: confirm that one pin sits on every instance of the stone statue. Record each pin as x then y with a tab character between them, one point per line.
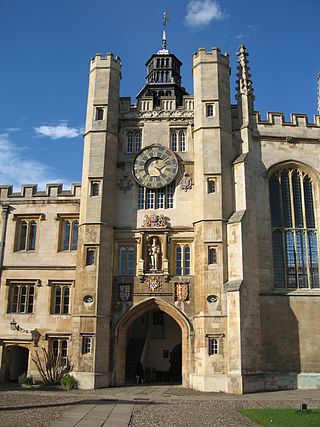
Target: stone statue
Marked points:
154	253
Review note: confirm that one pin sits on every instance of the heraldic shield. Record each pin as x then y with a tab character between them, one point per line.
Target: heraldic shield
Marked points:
182	291
124	293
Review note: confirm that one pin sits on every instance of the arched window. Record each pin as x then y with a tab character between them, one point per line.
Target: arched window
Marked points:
183	260
137	142
130	142
294	234
174	145
182	141
69	235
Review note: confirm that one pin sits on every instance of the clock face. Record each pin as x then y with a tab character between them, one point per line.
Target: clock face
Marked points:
155	167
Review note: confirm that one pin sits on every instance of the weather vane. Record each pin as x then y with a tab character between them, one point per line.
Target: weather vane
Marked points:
164	37
165	18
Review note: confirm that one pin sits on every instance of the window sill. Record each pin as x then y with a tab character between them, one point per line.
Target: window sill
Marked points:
293	292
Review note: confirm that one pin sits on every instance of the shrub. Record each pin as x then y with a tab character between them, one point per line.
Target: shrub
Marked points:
23	379
51	367
69	382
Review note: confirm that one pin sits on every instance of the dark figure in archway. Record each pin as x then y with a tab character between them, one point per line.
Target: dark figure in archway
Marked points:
139	373
176	364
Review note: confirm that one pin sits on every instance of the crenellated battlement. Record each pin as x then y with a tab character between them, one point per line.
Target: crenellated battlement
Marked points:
202	55
31	191
298	120
99	61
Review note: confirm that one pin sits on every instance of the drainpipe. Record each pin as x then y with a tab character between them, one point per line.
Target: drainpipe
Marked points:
5	213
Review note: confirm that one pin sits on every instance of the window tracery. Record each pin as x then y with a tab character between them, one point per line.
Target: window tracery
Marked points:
294	232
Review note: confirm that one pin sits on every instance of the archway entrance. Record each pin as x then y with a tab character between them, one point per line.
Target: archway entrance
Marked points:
15	361
162	359
153	349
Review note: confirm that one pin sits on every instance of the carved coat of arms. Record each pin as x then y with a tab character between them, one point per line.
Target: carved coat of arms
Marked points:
124	293
154	220
125	183
186	182
153	283
182	291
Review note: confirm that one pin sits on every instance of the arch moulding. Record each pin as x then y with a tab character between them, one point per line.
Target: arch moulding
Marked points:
133	314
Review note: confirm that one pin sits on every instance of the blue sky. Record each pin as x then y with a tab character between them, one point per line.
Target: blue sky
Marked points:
46	46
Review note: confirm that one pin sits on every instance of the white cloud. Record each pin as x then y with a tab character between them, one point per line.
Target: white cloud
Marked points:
202	12
16	169
59	131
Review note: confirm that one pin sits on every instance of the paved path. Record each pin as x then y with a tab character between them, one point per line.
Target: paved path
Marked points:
117	409
100	412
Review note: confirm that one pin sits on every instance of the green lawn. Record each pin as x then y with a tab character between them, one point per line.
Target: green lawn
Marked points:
283	417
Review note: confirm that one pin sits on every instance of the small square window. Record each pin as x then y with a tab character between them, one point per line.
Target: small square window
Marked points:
91	256
99	113
212	256
213	346
211	184
209	110
86	344
94	191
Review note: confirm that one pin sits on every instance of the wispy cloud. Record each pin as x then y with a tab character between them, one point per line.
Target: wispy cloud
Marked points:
16	169
201	12
247	33
61	130
13	130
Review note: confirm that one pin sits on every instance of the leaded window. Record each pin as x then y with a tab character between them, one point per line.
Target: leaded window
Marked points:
182	260
69	234
61	299
160	198
174	141
178	140
59	349
127	260
182	141
130	142
137	142
294	233
133	143
213	346
26	235
86	344
21	299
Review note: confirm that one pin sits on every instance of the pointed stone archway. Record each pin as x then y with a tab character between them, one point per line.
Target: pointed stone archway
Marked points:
133	314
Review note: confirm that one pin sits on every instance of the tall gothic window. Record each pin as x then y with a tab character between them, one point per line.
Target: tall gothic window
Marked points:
294	233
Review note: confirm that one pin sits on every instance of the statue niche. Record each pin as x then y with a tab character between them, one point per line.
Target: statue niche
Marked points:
154	254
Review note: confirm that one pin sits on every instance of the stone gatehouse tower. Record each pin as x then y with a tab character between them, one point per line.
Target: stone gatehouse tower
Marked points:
189	252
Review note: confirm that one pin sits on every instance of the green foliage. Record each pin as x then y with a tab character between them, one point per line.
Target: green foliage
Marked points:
23	379
69	382
283	417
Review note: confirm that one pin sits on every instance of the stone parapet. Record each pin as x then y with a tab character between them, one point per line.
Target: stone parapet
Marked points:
100	61
299	120
31	191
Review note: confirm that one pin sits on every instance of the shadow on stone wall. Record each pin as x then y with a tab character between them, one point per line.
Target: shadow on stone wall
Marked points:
280	343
